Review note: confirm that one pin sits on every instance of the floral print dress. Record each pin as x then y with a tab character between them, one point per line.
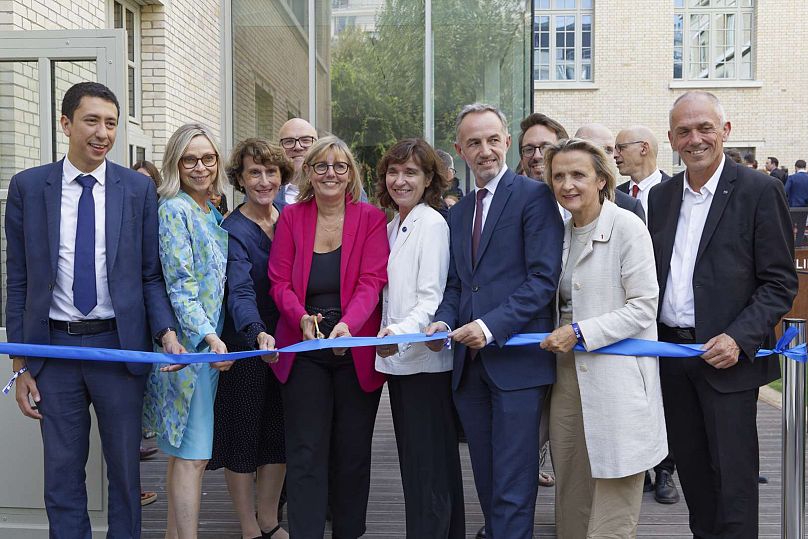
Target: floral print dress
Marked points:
178	406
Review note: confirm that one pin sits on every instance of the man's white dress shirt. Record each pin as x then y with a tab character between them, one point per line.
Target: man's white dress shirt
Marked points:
678	306
645	186
62	307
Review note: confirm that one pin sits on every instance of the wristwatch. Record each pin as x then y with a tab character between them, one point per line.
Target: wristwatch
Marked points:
159	337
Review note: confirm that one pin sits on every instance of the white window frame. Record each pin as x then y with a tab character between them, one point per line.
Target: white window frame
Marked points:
553	13
135	115
683	9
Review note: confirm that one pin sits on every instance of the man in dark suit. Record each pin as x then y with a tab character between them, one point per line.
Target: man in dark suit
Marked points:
773	168
635	153
506	239
724	256
797	193
505	263
83	270
602	136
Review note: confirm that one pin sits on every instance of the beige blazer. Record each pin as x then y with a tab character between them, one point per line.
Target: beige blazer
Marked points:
416	278
614	297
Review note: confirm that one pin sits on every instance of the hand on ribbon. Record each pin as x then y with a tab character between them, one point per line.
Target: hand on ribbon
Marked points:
265	341
560	341
721	351
438	344
386	350
340	330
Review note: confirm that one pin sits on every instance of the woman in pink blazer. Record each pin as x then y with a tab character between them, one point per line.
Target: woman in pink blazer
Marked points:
327	268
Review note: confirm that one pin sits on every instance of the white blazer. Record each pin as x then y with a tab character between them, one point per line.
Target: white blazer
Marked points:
416	278
614	297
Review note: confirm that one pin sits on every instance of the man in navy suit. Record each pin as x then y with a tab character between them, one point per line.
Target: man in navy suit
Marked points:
83	270
506	239
797	193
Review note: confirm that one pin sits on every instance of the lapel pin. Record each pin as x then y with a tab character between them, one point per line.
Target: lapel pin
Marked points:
726	192
404	229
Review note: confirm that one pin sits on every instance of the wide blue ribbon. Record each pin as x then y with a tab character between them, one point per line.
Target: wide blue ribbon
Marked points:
626	347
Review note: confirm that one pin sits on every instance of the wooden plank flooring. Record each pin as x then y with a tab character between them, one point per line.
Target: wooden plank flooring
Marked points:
386	507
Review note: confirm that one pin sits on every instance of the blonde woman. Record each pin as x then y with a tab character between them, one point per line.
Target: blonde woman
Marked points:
193	254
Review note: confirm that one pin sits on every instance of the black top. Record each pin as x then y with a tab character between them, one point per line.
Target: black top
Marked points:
250	308
323	290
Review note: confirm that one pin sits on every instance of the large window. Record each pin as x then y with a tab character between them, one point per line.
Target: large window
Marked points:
127	16
562	40
712	39
379	70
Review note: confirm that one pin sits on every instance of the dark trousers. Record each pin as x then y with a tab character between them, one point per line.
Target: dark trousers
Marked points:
68	388
423	418
329	423
502	428
668	464
714	437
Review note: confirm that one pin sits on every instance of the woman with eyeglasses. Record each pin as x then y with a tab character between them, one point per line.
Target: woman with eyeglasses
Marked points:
193	253
327	268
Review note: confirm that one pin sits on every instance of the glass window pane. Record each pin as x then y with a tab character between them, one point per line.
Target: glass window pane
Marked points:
131	91
117	15
130	35
19	139
258	27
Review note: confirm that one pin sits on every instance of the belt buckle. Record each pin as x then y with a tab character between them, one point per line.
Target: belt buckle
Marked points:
70	331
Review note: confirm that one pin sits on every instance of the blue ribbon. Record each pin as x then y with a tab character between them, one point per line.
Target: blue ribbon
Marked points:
626	347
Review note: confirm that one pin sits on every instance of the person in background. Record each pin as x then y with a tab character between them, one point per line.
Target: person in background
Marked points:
454	183
248	414
193	254
219	201
607	426
295	136
327	269
410	180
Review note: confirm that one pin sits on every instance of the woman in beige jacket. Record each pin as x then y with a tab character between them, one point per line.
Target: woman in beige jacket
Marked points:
606	419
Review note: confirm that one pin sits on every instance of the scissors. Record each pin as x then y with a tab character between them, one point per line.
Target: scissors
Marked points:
317	333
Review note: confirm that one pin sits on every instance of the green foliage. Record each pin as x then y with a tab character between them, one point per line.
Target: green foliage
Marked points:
377	79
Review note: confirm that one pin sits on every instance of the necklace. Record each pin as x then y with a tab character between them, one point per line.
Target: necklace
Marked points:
333	228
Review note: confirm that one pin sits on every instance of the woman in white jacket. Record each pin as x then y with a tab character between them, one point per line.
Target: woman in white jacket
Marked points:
606	419
411	180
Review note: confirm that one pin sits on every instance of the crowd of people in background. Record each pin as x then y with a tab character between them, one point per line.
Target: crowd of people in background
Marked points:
145	259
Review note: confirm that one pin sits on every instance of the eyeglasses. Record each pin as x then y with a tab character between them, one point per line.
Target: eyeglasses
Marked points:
529	150
289	142
620	148
189	162
453	171
340	167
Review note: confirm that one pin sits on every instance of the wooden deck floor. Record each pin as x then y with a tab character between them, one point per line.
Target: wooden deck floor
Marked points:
386	507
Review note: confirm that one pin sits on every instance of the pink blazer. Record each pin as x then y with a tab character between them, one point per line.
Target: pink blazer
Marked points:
363	274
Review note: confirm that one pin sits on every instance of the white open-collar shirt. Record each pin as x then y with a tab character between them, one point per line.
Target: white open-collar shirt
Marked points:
678	305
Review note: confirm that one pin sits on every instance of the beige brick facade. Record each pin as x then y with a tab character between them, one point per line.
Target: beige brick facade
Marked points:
633	79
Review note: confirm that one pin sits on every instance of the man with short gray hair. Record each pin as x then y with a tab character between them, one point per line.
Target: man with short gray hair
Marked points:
724	249
503	275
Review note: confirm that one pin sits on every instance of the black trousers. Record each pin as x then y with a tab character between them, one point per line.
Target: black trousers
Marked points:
668	464
423	418
329	430
714	437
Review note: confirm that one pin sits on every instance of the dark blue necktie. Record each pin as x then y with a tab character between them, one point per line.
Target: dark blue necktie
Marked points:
84	293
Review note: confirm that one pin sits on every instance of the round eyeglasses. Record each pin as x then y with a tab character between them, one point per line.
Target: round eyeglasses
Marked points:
189	162
340	167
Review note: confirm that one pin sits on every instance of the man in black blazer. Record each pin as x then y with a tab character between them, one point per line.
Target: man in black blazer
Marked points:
724	253
635	153
602	136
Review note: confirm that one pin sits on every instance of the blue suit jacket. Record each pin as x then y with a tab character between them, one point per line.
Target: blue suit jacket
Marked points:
135	279
513	285
797	190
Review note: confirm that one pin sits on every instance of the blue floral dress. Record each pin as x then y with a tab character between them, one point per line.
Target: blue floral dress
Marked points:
178	406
